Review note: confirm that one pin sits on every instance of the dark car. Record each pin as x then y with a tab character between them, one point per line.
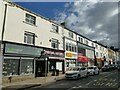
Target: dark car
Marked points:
118	67
106	68
113	66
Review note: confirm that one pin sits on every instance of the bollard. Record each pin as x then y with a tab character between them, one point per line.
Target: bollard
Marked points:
10	79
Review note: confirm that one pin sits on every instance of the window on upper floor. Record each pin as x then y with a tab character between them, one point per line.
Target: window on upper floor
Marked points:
54	43
55	28
96	54
101	54
29	38
81	40
92	44
67	46
86	42
96	46
71	34
70	47
30	19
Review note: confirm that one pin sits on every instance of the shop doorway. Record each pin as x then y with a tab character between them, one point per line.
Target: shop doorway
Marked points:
40	68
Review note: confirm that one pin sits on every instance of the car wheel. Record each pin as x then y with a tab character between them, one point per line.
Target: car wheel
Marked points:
93	73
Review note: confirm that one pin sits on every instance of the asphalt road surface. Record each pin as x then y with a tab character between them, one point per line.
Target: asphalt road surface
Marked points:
107	80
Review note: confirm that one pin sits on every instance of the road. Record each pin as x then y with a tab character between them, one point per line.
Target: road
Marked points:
103	80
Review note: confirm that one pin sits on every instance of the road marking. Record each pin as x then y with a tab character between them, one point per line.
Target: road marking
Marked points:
115	84
114	80
89	83
95	80
107	84
71	88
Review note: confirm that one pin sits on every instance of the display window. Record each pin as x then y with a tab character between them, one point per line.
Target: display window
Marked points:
11	67
27	66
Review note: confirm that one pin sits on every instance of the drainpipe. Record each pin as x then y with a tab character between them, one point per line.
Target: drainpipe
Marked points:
2	16
4	21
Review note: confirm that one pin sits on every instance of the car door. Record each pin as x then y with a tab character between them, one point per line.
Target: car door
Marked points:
96	70
83	72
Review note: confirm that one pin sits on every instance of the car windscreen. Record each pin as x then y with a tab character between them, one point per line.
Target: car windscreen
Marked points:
90	68
74	69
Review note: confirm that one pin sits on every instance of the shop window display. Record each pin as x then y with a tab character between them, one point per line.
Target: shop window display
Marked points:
10	67
27	66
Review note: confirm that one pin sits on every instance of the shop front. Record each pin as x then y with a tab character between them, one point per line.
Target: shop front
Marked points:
71	58
86	52
19	59
55	61
82	60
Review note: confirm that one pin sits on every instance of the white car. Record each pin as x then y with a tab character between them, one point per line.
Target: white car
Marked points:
93	70
76	73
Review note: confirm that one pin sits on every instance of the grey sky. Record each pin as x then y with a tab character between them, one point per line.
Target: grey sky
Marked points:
95	20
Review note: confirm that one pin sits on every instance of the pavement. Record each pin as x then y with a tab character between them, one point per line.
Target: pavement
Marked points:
38	81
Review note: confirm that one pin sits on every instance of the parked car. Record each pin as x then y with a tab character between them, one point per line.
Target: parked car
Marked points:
118	67
113	66
93	70
76	73
106	68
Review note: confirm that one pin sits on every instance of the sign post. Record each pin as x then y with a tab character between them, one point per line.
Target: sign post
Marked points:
1	55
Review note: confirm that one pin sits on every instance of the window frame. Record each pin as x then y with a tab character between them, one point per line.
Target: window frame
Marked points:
30	19
70	34
56	42
27	36
55	28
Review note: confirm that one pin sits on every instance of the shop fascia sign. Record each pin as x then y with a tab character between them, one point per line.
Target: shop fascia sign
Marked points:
54	53
21	49
71	55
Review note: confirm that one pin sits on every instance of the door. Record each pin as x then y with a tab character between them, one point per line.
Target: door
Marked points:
40	68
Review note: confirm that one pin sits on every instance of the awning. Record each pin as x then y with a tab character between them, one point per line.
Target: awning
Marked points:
82	58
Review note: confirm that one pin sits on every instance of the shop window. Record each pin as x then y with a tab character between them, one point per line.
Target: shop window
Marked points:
54	43
29	38
30	19
52	65
27	66
55	28
10	67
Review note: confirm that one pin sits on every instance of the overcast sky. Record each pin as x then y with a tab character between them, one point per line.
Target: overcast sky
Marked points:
97	20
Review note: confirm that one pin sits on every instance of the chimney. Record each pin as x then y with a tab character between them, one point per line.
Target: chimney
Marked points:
63	24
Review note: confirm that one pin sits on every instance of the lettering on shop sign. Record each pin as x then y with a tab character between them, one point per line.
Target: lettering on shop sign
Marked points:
71	55
54	53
